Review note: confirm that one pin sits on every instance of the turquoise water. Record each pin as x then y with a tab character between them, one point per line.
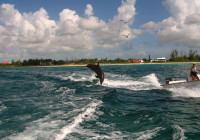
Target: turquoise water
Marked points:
69	103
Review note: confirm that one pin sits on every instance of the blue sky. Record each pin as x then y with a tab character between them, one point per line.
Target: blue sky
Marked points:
146	10
92	28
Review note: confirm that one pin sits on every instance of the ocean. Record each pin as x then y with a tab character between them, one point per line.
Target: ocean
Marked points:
68	103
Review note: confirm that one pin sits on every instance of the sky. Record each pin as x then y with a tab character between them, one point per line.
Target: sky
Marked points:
75	29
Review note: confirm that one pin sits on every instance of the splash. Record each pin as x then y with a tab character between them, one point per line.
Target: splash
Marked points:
78	77
179	133
90	109
152	80
148	134
43	128
122	81
185	92
2	107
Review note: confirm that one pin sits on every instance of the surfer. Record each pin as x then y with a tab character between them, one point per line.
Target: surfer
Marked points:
98	71
193	72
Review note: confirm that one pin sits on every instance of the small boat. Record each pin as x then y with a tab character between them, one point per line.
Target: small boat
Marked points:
188	83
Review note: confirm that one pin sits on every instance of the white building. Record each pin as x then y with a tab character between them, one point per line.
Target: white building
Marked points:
161	59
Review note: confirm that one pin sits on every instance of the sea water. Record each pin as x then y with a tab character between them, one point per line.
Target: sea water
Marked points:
56	103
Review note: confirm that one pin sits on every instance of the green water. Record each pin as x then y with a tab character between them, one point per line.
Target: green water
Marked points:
69	103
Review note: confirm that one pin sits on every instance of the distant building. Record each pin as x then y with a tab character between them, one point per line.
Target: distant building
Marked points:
161	59
136	60
6	63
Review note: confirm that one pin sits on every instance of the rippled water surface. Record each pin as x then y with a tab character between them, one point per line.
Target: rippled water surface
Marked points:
69	103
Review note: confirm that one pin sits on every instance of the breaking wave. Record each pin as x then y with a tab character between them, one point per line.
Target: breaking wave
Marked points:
185	92
148	134
179	133
88	112
2	107
122	81
79	77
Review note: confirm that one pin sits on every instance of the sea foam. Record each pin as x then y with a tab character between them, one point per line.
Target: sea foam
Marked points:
148	134
185	92
89	110
179	133
122	81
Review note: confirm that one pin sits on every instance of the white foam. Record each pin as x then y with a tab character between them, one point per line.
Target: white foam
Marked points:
153	80
79	77
121	76
2	107
40	129
134	85
148	134
112	135
25	117
92	134
179	133
88	111
47	86
123	81
185	92
65	91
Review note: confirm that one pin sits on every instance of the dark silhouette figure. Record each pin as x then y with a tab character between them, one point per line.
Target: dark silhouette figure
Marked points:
123	21
98	71
126	36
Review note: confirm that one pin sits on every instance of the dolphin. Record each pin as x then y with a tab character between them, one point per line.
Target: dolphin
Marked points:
98	71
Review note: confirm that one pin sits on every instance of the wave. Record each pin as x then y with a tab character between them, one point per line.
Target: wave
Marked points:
43	128
148	134
2	107
78	77
46	86
117	80
179	133
49	127
143	83
88	112
185	92
143	135
65	91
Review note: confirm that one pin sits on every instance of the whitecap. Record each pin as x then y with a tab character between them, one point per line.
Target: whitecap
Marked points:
148	134
66	90
2	107
179	133
185	92
144	83
88	112
44	128
152	80
47	86
24	117
79	77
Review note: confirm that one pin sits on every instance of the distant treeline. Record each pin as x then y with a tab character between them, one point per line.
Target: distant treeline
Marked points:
38	62
181	56
48	62
92	61
175	56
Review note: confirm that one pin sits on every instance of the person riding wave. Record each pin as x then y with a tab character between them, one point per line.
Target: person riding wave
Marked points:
193	72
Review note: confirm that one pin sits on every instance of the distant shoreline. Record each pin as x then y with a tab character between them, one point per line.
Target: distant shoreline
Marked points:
107	64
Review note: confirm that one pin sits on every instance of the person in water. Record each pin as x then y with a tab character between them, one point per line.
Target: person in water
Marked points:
193	72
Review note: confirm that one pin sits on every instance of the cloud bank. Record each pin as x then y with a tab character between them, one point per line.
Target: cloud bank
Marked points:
182	27
29	35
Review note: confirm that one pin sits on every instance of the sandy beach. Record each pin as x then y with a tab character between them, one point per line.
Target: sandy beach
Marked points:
79	65
123	64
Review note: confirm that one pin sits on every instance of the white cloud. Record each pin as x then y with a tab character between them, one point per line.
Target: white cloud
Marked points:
26	35
92	23
182	27
111	35
89	10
